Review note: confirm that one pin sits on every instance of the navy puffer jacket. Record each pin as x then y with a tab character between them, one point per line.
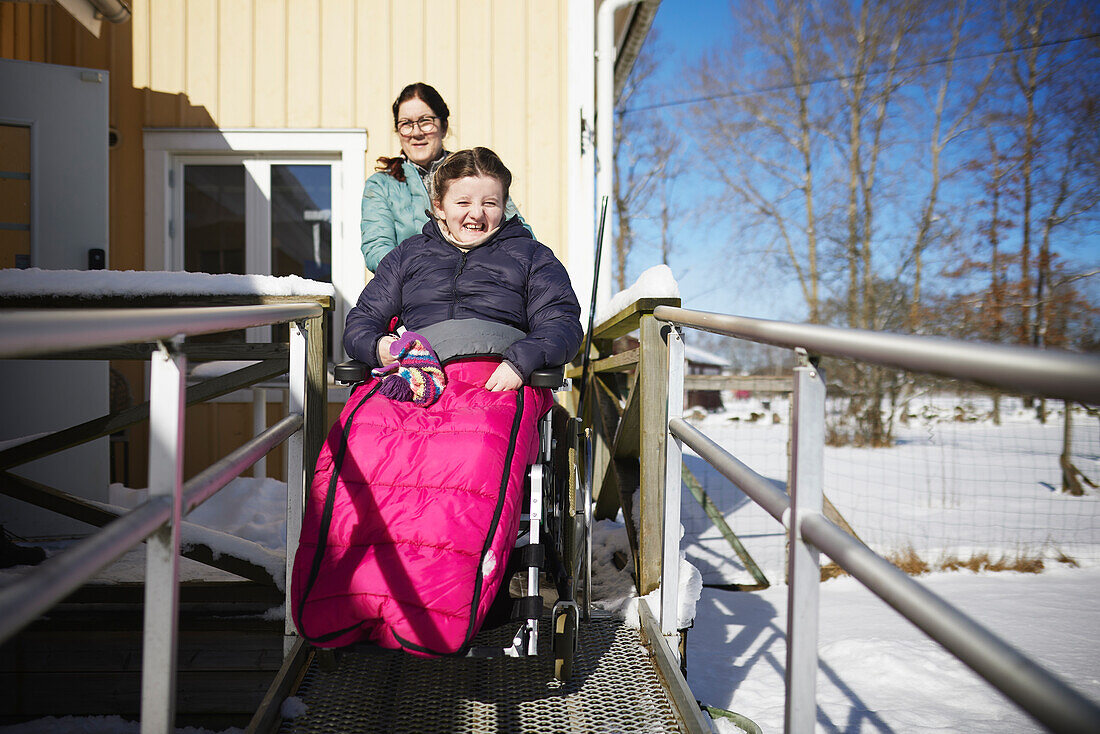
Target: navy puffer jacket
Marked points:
510	279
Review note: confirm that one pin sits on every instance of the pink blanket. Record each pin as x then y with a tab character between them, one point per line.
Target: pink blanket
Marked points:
407	532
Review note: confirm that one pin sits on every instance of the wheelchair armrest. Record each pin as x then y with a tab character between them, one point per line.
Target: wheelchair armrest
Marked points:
350	372
551	377
353	371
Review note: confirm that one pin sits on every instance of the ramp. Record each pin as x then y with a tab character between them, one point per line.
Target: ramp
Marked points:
616	687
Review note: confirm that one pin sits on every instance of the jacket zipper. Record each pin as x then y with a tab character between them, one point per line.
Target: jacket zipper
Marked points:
454	283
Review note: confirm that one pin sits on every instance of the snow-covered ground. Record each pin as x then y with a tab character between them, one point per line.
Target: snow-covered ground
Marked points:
946	489
949	488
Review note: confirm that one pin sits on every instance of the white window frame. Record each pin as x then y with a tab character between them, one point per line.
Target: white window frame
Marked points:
168	150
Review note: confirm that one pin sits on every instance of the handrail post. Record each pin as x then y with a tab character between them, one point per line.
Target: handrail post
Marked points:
316	419
167	385
259	425
806	491
670	554
307	395
653	384
295	465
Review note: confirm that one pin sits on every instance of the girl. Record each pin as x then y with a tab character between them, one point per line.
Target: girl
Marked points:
415	505
470	264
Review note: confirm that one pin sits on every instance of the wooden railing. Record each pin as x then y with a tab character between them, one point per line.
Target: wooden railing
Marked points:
626	402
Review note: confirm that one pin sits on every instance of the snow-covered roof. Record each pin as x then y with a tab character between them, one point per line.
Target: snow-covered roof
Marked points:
133	283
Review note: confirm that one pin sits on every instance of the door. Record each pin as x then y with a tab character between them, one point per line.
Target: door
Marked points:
53	185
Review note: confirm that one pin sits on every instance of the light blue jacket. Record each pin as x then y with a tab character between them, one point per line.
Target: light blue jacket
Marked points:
395	210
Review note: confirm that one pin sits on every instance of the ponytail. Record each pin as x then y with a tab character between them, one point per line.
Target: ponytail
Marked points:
392	166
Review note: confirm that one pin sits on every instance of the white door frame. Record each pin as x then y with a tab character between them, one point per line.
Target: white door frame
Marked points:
166	149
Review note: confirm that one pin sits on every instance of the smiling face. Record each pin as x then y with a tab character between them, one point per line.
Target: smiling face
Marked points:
420	147
471	207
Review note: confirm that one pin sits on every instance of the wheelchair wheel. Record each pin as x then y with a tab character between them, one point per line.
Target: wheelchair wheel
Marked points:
565	642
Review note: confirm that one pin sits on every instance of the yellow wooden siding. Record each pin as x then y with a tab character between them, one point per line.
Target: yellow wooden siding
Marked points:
23	31
338	52
202	62
236	44
269	69
500	64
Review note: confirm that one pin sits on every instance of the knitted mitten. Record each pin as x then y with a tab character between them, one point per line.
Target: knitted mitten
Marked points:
416	377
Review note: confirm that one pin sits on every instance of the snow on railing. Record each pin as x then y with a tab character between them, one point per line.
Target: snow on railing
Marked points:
43	332
1068	376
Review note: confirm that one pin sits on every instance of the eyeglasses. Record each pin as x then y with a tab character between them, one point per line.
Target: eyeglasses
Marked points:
427	125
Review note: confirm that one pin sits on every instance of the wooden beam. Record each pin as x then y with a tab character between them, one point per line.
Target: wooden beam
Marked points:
315	419
627	320
603	416
108	424
737	382
653	387
269	713
618	362
627	440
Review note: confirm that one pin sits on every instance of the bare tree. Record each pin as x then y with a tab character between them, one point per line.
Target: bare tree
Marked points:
646	150
830	125
761	145
944	132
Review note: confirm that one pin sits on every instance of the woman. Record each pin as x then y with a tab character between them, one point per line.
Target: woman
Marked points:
395	199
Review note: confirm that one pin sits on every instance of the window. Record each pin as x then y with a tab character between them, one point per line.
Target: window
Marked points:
260	202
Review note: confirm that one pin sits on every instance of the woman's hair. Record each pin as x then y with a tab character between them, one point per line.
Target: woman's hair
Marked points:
427	94
469	163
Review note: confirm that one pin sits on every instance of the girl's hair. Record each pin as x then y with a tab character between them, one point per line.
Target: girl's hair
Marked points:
467	163
427	94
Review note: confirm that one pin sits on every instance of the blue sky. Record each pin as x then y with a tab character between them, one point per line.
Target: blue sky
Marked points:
711	278
709	259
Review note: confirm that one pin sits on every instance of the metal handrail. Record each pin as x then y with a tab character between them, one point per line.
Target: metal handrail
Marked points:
55	578
1065	375
1051	701
757	487
1069	376
1033	688
31	332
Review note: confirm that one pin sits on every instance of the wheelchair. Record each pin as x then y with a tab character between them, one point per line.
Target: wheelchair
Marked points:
555	536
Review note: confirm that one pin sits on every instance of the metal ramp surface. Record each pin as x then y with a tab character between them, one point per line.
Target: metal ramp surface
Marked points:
616	687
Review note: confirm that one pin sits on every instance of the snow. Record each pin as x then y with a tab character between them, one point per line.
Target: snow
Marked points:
878	673
293	707
245	519
210	370
39	282
656	282
701	356
947	487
